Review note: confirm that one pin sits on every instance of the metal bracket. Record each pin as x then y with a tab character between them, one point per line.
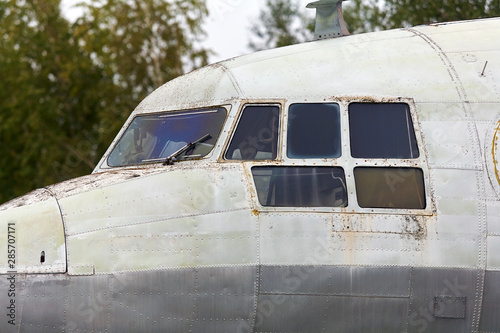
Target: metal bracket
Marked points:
329	19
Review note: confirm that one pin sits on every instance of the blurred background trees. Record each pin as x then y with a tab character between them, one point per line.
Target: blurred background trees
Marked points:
67	87
284	22
373	15
280	23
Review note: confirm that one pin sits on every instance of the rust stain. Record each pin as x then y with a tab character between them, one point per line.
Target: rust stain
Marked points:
494	151
370	99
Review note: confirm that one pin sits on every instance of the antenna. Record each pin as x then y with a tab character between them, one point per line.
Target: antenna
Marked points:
329	19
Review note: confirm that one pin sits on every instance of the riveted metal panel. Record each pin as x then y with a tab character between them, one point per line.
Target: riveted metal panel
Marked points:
12	296
451	307
293	237
336	280
182	299
183	218
317	313
152	300
493	213
87	303
45	313
449	135
429	283
490	320
493	252
336	239
225	299
202	300
158	197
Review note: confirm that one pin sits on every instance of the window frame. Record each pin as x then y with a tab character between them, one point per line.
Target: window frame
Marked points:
236	122
346	161
282	167
287	124
215	151
419	162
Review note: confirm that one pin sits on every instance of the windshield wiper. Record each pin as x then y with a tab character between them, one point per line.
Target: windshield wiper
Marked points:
172	158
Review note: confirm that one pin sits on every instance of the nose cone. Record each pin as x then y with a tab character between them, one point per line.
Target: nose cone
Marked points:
31	230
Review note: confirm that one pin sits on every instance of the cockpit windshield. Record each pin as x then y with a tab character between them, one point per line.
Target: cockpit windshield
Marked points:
154	138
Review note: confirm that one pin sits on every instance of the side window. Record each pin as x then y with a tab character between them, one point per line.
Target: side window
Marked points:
313	131
382	130
256	136
300	186
382	187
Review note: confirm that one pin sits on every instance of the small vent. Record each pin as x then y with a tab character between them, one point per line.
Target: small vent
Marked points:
329	19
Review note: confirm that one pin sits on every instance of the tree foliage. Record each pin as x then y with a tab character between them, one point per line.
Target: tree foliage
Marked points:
280	23
373	15
283	22
67	88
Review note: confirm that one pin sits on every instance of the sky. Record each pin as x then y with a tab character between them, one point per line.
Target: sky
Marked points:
227	27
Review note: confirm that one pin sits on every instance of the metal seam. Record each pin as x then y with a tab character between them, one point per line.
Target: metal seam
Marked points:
158	220
479	293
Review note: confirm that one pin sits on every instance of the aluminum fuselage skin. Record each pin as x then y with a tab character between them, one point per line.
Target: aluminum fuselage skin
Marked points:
189	248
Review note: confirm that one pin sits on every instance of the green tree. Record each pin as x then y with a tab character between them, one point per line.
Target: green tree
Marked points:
41	71
66	88
283	22
143	43
280	23
372	15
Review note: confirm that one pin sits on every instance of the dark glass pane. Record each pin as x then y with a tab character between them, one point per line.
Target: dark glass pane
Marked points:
300	186
313	131
382	130
256	136
381	187
153	138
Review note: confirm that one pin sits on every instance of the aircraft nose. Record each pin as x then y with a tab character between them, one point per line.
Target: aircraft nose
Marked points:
31	230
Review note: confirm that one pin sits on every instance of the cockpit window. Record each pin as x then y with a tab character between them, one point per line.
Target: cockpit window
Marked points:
389	187
154	138
256	137
313	131
289	186
382	130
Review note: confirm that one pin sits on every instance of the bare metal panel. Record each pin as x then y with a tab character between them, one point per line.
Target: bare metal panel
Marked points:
451	307
429	283
490	320
12	291
493	252
332	280
182	299
86	303
201	300
225	299
316	313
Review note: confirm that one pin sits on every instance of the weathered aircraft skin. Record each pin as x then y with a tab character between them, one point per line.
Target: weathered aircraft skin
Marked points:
190	247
